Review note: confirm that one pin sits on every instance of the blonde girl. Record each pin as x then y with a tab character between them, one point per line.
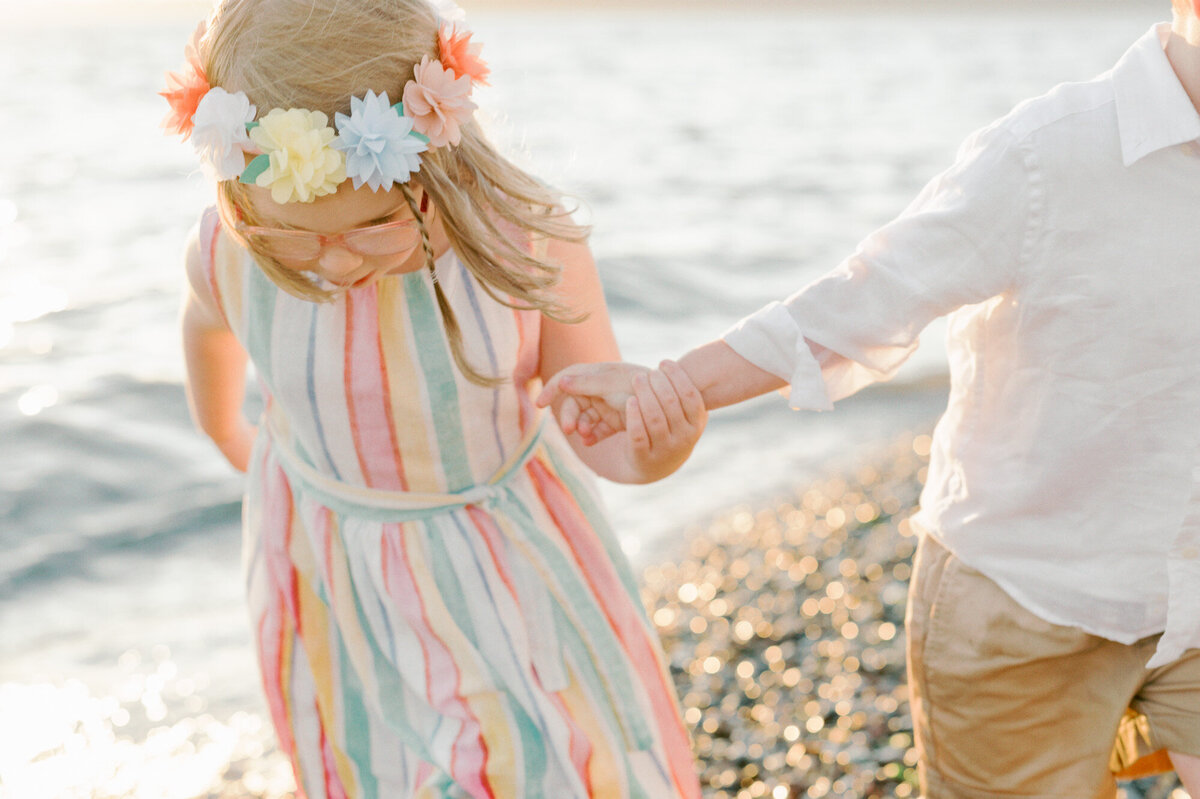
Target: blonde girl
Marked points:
439	607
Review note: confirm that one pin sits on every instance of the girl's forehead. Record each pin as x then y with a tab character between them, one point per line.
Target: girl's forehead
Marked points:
346	208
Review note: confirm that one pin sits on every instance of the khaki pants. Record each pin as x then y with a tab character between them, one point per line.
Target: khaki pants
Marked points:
1005	704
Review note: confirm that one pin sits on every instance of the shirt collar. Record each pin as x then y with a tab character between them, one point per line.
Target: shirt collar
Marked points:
1153	110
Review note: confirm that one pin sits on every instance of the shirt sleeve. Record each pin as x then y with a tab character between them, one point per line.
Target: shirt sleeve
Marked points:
961	241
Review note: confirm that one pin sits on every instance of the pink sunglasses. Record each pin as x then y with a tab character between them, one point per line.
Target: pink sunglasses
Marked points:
388	238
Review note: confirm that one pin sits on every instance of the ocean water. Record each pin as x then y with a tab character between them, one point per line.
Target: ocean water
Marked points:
725	156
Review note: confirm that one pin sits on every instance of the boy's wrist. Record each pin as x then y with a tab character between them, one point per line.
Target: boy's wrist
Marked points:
723	377
703	367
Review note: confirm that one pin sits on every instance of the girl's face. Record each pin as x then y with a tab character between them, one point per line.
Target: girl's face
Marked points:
349	238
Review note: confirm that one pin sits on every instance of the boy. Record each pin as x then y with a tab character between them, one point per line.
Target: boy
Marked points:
1057	583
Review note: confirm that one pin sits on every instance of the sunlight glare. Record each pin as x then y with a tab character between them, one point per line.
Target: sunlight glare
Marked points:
37	399
68	746
30	299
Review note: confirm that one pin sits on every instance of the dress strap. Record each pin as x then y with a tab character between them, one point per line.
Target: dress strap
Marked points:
210	234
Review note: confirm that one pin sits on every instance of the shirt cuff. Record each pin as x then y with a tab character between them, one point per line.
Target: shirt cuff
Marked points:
771	340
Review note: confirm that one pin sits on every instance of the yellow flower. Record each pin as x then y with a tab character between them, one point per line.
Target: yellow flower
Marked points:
302	164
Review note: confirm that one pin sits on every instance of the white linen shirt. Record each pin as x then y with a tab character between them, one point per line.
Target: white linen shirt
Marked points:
1065	241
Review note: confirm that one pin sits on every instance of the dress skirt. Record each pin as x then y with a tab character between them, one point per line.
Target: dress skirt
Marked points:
487	644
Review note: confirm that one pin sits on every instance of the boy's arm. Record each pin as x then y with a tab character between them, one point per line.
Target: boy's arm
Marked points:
724	377
216	367
962	241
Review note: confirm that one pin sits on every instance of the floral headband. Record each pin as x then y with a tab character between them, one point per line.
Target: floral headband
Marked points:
298	155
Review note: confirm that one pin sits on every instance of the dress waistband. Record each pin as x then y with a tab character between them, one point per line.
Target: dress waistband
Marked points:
395	506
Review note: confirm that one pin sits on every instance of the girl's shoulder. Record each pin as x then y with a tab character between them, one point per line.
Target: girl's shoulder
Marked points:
209	241
197	262
213	262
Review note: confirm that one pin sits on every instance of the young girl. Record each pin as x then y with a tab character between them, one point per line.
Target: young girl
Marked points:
439	607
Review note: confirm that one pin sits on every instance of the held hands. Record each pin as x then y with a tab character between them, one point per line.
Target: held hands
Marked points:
592	398
660	411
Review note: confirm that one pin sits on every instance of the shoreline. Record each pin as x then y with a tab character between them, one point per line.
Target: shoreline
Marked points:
806	6
137	12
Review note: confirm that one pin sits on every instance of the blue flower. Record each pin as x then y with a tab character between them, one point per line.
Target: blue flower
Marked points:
378	140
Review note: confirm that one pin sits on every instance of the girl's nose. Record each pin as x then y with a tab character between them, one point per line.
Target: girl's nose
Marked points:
337	262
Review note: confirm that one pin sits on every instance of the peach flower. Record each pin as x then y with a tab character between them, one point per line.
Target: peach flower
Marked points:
438	102
460	55
185	89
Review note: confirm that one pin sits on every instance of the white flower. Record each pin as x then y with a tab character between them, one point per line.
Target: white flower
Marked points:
219	132
379	143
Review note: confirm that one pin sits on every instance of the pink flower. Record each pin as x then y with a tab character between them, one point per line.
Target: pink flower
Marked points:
460	55
185	89
438	102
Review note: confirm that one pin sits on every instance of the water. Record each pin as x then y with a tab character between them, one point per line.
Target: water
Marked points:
725	156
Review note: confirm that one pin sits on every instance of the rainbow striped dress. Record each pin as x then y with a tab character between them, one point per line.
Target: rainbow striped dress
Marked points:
439	606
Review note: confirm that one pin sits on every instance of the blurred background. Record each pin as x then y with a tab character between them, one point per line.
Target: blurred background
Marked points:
726	152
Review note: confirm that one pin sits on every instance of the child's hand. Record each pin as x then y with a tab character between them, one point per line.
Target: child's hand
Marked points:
592	397
660	411
663	421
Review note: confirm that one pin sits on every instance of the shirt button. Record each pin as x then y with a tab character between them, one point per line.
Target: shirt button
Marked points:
1189	553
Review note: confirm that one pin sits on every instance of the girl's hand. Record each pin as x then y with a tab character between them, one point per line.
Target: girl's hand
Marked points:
663	421
591	398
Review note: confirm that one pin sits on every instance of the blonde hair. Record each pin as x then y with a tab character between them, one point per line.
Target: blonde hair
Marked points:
317	54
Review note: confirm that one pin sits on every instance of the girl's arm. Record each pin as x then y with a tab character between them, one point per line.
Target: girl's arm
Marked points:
216	366
666	415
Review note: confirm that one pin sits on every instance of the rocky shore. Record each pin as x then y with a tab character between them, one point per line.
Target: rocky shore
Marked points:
784	631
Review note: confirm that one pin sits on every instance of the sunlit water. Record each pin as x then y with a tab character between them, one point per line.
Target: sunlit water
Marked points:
725	158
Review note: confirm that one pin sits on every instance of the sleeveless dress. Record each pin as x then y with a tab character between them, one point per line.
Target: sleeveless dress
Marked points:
439	606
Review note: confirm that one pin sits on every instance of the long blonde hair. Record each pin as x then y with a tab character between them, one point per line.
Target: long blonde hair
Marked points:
317	54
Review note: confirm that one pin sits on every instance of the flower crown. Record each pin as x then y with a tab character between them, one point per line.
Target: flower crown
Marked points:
298	155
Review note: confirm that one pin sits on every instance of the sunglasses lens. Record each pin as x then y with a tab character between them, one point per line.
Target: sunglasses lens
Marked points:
390	241
284	247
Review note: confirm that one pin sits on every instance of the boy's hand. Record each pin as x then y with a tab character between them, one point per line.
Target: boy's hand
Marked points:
663	421
660	411
593	397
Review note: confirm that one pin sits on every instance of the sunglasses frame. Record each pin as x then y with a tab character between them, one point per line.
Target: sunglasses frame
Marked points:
317	242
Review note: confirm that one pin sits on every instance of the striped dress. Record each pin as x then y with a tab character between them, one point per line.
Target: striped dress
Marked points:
439	606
